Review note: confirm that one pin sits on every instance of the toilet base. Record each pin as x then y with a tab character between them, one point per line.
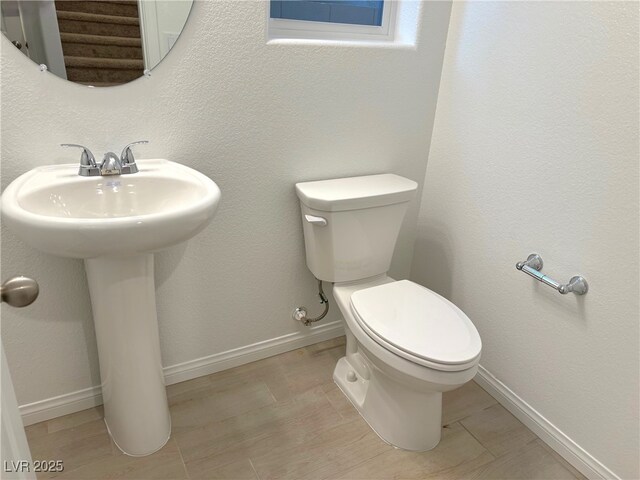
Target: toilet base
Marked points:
401	416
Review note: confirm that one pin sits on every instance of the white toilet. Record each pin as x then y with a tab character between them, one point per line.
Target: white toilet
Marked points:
405	344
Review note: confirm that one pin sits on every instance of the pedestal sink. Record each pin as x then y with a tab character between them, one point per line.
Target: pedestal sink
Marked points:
115	223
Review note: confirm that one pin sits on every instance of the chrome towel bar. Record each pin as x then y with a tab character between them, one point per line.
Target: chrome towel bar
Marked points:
532	266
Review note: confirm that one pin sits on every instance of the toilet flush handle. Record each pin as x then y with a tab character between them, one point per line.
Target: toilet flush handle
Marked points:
320	221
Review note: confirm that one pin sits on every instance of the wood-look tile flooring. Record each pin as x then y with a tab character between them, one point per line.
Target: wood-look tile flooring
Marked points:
283	417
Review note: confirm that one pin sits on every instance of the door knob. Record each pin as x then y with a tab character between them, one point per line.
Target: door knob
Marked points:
19	291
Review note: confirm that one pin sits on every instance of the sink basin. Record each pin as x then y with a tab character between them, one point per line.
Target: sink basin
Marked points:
57	211
115	223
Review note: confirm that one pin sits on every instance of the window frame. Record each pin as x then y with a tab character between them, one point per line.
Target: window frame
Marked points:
284	28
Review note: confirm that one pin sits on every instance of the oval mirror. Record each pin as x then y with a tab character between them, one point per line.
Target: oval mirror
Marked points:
95	42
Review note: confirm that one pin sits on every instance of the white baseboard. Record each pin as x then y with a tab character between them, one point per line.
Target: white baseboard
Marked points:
251	353
62	405
91	397
589	466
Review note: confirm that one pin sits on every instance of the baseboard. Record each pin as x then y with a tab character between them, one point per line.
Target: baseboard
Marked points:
91	397
62	405
251	353
589	466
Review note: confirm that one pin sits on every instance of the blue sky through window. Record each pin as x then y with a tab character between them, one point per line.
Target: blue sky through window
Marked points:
358	12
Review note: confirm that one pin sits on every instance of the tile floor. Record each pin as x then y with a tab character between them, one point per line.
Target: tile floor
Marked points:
283	417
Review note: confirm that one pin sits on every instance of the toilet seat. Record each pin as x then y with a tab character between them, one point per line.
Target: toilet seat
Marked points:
417	324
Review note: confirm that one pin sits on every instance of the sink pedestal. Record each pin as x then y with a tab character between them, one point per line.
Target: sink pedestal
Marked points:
136	410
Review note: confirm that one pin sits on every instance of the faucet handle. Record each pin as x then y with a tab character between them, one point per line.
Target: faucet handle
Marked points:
88	166
86	158
127	159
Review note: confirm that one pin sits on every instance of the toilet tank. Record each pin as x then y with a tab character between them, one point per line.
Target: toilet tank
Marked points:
351	224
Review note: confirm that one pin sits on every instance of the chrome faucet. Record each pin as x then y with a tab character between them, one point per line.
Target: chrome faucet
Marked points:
111	164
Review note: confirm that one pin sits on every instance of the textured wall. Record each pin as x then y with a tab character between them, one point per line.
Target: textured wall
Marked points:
254	117
535	149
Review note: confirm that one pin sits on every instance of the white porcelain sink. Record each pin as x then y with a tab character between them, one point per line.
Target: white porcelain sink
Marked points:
57	211
115	223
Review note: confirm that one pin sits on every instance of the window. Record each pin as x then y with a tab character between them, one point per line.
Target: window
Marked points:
357	12
350	20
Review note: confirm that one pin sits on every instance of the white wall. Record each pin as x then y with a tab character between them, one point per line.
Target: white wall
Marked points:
254	117
535	149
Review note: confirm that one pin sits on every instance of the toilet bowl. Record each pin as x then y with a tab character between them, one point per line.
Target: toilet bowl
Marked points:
405	344
396	383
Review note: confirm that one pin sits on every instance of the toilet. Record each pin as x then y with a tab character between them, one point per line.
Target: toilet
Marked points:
405	344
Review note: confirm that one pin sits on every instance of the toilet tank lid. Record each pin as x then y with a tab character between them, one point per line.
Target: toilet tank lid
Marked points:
354	193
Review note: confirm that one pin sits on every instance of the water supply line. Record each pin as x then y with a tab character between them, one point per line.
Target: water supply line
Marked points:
300	313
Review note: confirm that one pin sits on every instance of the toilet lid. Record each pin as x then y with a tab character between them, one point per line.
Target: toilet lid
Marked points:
417	321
